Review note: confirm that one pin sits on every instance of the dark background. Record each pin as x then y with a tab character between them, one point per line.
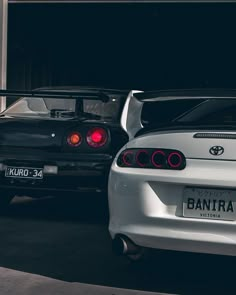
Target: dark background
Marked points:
139	46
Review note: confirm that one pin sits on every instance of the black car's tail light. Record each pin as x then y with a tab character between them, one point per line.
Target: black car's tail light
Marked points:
96	137
74	139
152	158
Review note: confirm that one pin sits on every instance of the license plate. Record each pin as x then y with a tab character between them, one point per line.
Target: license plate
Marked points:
209	203
24	172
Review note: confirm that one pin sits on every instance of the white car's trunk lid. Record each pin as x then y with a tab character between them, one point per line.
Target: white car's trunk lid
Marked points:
193	144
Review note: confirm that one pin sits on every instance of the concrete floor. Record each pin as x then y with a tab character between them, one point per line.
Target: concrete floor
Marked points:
14	282
67	239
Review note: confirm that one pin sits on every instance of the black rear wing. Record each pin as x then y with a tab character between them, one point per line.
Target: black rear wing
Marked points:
185	94
83	94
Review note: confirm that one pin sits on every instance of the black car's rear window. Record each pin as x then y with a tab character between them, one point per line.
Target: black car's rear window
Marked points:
48	107
189	112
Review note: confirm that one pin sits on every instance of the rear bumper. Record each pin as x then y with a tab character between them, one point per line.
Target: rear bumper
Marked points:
84	173
147	207
181	235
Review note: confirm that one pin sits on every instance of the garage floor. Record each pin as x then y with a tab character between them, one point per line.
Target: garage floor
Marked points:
20	283
67	239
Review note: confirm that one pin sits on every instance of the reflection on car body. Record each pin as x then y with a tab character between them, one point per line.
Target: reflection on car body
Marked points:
167	188
58	140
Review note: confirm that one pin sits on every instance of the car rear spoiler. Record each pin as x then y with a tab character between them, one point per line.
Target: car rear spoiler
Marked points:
162	95
131	116
83	94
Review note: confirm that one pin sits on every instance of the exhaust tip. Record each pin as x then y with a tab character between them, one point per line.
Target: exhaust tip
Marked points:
118	246
122	245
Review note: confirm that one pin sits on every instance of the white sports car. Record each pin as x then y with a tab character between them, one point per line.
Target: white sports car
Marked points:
173	185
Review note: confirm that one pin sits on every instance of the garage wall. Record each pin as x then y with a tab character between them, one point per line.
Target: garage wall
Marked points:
141	46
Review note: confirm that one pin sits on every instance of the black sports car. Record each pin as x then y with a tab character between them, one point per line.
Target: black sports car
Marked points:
57	140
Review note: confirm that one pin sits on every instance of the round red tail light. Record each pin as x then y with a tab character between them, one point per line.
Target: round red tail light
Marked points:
96	137
142	158
74	139
159	158
128	158
175	160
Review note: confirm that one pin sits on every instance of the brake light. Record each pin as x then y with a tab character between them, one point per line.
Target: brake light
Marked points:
96	137
74	139
158	158
142	158
152	158
128	158
174	159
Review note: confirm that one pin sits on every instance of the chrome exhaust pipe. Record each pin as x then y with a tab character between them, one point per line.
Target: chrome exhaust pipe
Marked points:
122	245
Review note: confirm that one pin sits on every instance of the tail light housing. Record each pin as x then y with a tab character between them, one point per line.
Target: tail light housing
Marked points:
74	139
142	158
96	137
174	159
152	158
159	158
128	158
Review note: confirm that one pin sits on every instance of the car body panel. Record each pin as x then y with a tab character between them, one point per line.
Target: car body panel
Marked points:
148	205
185	141
40	140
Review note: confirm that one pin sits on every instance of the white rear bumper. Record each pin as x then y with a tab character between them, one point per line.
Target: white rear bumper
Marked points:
147	206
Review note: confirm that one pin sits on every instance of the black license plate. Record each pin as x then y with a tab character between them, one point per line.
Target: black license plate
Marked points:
24	172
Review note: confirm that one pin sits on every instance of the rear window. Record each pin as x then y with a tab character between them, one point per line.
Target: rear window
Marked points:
49	107
164	112
192	112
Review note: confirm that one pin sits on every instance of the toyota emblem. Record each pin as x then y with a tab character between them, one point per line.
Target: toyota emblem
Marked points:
216	150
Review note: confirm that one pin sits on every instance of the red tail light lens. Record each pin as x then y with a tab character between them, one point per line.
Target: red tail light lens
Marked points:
175	159
152	159
74	139
128	158
159	158
142	158
96	137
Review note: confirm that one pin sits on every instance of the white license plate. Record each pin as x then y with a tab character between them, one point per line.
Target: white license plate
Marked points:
209	203
24	172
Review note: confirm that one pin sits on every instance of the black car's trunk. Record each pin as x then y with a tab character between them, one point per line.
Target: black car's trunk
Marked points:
37	133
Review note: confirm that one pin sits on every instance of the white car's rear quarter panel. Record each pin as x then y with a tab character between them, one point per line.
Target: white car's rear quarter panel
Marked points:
147	204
